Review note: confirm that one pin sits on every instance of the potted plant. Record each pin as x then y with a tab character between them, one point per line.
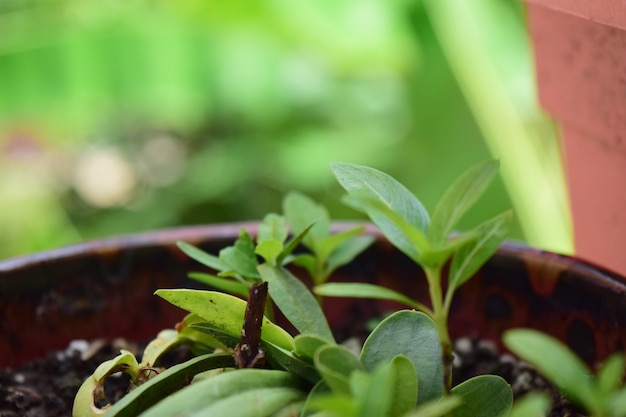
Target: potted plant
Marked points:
569	291
578	64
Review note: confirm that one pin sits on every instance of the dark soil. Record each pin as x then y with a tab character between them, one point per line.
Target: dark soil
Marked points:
46	387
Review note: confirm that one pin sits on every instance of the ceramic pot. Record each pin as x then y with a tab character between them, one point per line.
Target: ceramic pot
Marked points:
581	76
104	289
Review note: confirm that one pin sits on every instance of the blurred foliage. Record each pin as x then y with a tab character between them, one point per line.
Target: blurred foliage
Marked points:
124	116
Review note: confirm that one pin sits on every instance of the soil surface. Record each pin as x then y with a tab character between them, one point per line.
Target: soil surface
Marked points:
46	387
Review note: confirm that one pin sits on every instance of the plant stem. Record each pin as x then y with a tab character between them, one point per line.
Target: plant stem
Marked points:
440	317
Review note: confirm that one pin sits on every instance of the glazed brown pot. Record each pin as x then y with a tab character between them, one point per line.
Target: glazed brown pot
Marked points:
581	76
104	289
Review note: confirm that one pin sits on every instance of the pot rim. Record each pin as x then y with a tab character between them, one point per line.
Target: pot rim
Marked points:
229	231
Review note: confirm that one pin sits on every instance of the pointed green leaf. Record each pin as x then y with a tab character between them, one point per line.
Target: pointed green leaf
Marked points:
411	334
364	290
301	211
292	245
556	362
224	312
610	375
376	185
273	227
346	251
269	250
483	396
203	393
329	243
366	181
336	363
405	236
204	258
296	302
471	256
241	257
221	283
459	197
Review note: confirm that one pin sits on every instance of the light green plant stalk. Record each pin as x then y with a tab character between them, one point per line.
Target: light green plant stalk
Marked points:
498	84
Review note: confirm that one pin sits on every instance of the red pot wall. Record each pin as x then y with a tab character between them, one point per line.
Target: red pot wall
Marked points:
580	53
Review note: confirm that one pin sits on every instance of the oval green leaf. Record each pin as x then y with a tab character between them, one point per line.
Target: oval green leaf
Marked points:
411	334
483	396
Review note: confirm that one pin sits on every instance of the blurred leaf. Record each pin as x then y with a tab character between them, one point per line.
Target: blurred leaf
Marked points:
483	396
458	198
397	335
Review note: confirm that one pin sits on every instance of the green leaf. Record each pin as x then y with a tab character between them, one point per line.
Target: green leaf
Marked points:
346	251
259	402
376	185
436	408
610	375
556	362
471	256
84	401
375	396
224	312
292	245
241	257
483	396
531	405
307	344
364	290
280	358
166	383
306	261
329	243
301	211
459	197
404	386
403	235
202	394
617	403
269	250
331	405
221	283
273	227
411	334
204	258
296	302
336	363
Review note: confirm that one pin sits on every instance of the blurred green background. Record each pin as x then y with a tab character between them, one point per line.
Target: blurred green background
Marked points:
125	116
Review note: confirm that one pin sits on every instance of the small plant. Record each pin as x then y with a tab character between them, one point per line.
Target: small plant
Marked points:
405	222
246	365
602	395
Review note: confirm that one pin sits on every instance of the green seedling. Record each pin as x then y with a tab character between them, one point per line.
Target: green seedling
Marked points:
426	240
601	395
398	372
